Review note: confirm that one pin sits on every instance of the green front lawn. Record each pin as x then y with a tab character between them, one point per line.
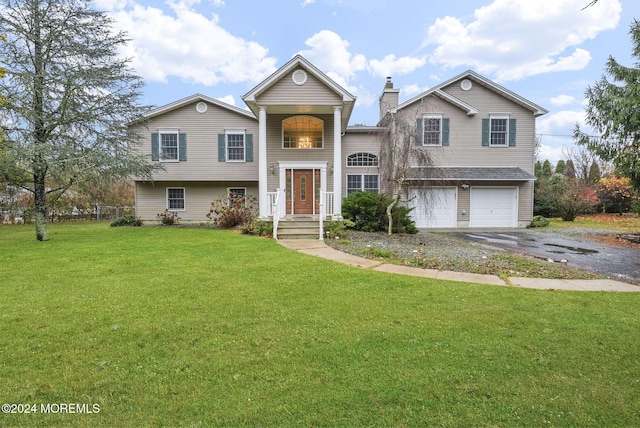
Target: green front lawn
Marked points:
199	327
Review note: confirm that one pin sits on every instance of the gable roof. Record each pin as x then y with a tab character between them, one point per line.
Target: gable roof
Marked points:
348	100
472	75
193	98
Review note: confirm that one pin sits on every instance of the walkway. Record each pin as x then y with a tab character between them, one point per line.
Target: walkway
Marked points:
318	248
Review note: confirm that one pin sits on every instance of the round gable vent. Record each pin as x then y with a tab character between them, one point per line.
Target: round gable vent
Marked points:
201	107
466	84
299	77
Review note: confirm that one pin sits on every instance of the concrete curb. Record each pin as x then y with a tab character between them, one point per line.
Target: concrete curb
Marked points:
318	248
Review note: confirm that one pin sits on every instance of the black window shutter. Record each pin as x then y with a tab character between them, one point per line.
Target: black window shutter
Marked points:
419	136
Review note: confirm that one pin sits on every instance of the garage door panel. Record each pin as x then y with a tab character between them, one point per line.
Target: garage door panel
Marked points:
493	207
434	207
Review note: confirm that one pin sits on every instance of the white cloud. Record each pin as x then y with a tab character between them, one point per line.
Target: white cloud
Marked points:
551	153
229	99
560	123
330	53
512	39
562	100
189	46
392	66
307	2
411	90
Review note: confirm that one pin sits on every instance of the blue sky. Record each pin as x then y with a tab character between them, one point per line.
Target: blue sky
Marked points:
548	51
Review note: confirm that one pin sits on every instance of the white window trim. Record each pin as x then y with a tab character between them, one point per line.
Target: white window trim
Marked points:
226	144
162	131
499	116
424	120
184	198
362	188
362	166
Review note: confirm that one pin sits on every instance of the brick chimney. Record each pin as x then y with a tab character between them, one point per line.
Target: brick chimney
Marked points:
389	97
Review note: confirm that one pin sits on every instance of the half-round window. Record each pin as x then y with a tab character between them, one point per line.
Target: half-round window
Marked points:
362	159
302	132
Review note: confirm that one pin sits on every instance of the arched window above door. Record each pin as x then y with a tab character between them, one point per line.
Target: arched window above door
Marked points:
303	132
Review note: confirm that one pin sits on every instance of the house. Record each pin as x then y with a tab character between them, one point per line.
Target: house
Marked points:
293	149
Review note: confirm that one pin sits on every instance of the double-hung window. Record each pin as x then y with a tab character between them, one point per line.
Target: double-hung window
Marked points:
169	145
235	147
175	199
432	130
499	131
235	194
365	182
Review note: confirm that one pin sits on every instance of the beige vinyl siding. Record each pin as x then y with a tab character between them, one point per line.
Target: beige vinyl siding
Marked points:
151	198
356	143
465	132
202	131
285	92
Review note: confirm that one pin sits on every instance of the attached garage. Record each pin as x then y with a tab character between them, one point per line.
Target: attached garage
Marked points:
493	207
434	207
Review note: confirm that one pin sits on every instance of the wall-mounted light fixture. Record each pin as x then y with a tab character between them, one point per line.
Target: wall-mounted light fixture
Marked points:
465	186
330	168
272	168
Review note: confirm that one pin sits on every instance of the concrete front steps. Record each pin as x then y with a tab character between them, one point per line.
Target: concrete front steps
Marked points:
298	229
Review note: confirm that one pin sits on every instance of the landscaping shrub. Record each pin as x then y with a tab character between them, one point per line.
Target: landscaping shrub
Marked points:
168	218
539	221
337	229
127	220
232	211
368	212
257	227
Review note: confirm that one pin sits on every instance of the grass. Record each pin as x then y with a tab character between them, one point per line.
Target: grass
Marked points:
199	327
629	223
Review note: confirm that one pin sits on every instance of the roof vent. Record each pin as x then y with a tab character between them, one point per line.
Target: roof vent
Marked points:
299	77
201	107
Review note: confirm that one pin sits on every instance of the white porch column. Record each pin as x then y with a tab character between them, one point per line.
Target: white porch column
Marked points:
337	161
262	163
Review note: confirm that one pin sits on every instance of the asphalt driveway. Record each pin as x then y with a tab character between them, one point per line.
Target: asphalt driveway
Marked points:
576	250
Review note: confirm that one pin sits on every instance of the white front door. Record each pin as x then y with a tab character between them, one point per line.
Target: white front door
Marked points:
434	207
493	207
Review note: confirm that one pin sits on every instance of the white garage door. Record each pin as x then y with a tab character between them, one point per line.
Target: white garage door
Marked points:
493	207
434	207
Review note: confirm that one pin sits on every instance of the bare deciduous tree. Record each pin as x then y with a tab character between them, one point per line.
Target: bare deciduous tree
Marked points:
401	149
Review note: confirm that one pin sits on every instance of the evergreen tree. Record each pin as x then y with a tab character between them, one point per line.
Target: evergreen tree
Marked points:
570	169
560	167
546	169
69	98
538	170
613	111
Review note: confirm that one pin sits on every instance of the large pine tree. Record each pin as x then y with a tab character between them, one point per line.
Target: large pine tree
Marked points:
69	97
614	110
